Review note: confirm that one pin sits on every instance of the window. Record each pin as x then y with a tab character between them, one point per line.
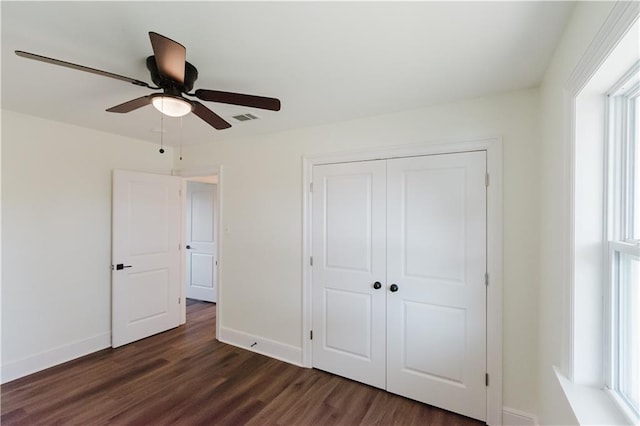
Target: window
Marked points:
623	234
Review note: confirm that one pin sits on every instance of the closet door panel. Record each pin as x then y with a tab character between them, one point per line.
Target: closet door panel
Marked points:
349	216
436	251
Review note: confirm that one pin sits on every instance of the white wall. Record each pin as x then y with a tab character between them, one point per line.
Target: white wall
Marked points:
554	336
262	211
56	223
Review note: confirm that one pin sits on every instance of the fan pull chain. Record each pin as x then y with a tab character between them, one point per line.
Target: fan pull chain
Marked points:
162	128
180	138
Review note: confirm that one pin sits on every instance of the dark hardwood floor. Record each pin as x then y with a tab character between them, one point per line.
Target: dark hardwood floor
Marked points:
186	377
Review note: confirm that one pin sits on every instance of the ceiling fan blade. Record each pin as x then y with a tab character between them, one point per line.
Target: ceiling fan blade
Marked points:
261	102
80	68
209	116
131	105
170	57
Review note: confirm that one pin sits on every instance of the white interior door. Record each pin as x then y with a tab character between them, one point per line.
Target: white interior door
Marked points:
146	255
436	256
418	227
348	258
201	244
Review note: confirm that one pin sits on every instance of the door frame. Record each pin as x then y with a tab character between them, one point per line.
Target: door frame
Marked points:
493	149
191	173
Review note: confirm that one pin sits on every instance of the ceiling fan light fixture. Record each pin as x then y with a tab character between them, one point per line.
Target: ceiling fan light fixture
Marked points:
171	105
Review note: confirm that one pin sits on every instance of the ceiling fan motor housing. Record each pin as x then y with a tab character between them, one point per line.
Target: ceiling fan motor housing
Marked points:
190	77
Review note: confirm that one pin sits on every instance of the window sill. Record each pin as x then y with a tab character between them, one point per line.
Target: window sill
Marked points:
591	406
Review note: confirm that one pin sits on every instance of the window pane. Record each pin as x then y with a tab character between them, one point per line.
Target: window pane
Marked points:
635	175
629	354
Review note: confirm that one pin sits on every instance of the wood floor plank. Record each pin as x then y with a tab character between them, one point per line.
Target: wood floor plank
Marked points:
184	376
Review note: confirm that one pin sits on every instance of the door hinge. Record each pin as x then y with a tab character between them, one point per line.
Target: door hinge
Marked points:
311	260
178	300
486	379
486	278
180	193
311	187
310	334
486	179
179	246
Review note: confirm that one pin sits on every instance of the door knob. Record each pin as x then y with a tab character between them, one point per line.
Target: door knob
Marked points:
121	266
393	288
377	285
188	247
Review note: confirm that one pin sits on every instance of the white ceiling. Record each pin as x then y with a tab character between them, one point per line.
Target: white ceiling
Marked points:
326	61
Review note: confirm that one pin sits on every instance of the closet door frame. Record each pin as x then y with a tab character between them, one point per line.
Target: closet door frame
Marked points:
493	149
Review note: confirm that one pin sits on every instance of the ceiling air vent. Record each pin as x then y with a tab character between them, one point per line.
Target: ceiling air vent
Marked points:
245	117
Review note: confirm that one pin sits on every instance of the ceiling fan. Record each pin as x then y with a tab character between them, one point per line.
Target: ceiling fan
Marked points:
175	76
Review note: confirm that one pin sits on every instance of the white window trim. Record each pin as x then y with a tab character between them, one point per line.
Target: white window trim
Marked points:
622	17
630	416
618	224
588	402
618	151
612	374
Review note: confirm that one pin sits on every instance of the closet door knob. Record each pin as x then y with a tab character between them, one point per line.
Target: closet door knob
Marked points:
188	247
393	288
377	285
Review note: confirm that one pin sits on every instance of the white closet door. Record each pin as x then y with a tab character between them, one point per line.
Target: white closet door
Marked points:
349	216
436	248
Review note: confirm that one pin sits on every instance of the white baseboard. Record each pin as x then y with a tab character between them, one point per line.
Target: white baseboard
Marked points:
261	345
513	417
32	364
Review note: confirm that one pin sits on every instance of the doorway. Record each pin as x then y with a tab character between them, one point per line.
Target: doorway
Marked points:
207	265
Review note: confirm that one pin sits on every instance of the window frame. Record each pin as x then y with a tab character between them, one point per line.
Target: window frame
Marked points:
621	165
624	100
583	310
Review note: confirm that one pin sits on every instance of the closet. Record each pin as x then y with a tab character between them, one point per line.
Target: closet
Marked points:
398	276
